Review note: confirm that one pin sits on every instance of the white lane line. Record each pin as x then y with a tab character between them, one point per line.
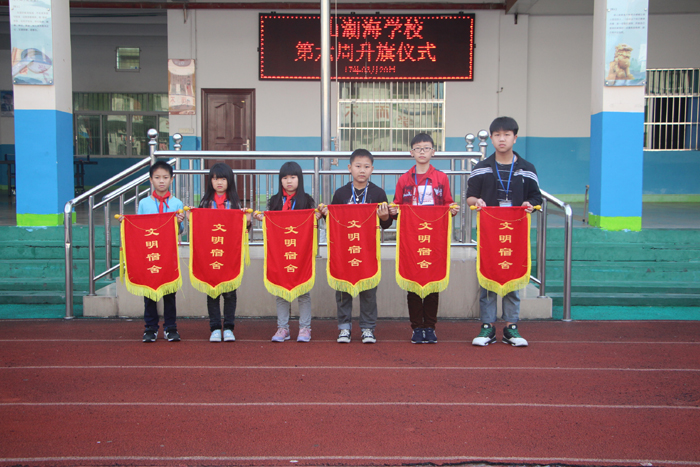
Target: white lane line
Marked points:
378	459
334	367
346	404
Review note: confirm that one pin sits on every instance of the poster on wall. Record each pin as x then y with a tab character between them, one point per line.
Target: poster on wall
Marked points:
31	37
626	42
181	100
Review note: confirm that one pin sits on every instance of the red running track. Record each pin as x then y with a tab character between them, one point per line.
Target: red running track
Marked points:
89	392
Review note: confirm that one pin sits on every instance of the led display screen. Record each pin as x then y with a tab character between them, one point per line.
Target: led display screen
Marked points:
369	47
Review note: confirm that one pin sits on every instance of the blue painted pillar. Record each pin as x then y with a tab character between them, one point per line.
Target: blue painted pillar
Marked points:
44	122
617	119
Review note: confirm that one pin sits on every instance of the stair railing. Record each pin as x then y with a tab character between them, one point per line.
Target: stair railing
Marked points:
462	238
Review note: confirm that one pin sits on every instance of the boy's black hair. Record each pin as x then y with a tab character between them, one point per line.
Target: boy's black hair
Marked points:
422	138
277	200
504	124
160	165
361	153
221	170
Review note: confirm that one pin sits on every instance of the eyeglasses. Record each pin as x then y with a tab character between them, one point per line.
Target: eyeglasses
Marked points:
421	150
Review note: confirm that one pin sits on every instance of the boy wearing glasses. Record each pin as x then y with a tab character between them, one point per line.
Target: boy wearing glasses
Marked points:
423	185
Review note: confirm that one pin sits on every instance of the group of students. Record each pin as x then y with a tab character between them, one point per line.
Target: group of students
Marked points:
503	179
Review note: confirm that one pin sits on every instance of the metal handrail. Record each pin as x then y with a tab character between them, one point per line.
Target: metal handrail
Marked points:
68	228
468	159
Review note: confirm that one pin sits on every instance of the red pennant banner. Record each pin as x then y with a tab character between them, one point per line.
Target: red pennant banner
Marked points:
149	263
290	252
353	247
503	248
423	237
218	250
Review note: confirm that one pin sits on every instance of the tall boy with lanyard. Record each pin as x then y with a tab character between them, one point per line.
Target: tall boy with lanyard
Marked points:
503	179
360	191
423	185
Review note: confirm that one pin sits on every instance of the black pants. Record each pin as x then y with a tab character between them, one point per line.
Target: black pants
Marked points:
150	313
423	311
214	309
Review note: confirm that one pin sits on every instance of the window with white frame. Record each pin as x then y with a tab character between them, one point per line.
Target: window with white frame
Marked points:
672	110
384	116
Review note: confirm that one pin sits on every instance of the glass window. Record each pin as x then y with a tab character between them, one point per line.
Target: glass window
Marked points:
672	110
88	141
384	116
128	59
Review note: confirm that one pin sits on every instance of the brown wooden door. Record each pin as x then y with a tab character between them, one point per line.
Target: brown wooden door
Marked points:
228	124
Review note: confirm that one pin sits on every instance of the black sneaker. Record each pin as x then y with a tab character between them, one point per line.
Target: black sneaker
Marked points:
429	336
418	336
149	335
486	336
172	335
512	336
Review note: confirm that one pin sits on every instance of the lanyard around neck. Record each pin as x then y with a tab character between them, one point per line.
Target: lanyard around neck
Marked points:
425	187
294	202
498	172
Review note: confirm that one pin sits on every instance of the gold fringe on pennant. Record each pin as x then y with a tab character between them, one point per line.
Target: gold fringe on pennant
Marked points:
300	289
431	287
363	284
228	286
511	285
145	291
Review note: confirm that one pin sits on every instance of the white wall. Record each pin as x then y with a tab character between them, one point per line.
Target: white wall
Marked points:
674	41
559	77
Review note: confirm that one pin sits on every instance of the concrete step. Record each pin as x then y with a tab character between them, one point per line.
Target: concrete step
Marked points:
22	268
628	271
38	298
46	284
628	299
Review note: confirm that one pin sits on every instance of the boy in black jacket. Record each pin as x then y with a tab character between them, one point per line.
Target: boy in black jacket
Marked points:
360	191
503	179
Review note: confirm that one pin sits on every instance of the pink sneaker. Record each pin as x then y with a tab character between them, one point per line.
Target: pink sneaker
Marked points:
304	335
281	335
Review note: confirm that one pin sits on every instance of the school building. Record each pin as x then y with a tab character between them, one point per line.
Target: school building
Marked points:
542	62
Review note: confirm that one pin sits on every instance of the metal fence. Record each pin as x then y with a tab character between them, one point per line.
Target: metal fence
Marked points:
258	185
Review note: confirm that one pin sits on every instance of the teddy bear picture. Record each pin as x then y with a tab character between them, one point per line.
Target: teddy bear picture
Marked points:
620	66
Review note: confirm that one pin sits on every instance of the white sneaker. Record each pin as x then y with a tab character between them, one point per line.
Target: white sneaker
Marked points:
215	336
228	336
486	336
344	336
512	336
368	336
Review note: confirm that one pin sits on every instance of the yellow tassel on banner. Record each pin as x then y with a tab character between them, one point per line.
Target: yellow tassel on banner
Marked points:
228	286
144	291
432	287
512	285
301	289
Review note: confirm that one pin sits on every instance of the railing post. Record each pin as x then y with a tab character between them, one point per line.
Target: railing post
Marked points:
91	245
541	253
467	218
483	137
568	241
68	245
108	240
153	144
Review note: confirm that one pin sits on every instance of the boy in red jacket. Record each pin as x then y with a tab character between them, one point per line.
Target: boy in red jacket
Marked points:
423	185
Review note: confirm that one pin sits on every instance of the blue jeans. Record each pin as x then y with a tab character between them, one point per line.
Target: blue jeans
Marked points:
488	308
214	310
